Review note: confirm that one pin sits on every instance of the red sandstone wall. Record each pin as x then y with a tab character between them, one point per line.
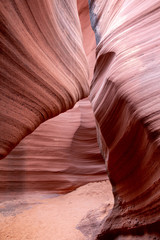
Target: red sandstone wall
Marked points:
60	155
44	70
125	96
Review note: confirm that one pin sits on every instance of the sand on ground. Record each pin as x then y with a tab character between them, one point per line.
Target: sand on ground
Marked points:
47	217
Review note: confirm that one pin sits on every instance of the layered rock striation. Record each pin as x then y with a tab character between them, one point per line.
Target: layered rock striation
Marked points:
59	156
44	70
125	95
47	76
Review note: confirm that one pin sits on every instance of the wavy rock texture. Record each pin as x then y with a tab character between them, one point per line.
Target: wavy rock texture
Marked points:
43	66
60	155
125	95
45	72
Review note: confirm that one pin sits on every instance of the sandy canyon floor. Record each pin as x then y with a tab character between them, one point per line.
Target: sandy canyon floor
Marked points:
52	217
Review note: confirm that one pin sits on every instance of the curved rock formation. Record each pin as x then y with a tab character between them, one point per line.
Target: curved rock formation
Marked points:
125	95
59	156
43	67
45	72
62	153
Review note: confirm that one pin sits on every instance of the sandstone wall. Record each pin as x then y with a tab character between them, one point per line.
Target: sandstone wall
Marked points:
125	95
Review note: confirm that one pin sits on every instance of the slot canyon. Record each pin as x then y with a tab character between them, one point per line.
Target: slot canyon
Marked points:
80	120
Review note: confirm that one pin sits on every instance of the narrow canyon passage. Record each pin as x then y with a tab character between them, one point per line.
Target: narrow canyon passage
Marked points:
80	120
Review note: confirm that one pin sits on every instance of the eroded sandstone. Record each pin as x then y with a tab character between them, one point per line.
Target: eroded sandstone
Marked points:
45	72
59	156
125	95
